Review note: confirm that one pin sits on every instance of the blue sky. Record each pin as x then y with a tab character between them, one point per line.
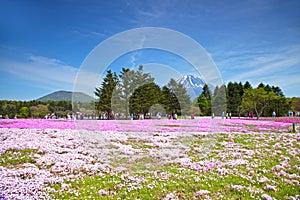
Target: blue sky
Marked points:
44	43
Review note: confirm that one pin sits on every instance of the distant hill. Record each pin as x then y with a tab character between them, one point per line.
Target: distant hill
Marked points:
66	96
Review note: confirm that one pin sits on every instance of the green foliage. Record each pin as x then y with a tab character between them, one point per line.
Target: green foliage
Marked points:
105	92
256	100
203	104
294	103
208	95
14	157
195	109
207	92
135	92
35	109
144	97
219	100
24	112
271	99
234	98
176	98
39	111
130	80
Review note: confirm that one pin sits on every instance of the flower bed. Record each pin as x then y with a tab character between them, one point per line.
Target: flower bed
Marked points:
150	159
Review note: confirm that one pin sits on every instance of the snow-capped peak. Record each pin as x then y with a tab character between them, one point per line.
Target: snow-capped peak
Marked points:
193	84
191	81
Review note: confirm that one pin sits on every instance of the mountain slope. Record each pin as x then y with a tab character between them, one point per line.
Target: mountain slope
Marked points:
193	84
66	96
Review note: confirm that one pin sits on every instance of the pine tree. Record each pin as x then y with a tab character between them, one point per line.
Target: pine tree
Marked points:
207	92
144	97
180	101
247	85
105	93
167	98
234	98
131	80
219	100
203	104
126	88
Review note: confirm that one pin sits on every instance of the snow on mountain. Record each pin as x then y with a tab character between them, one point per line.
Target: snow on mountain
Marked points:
193	84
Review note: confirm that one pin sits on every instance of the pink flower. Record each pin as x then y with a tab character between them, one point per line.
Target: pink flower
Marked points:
170	196
270	187
202	193
266	197
102	192
263	180
237	187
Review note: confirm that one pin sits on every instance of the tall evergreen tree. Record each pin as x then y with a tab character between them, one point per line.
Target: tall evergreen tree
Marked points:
208	95
169	100
234	98
203	104
180	101
126	87
105	93
141	77
219	100
261	85
207	92
144	97
247	85
130	80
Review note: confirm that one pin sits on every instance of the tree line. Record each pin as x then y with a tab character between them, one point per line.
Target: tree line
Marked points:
34	108
135	92
244	100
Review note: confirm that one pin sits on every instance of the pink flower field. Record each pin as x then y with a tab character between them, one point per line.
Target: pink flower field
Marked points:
149	159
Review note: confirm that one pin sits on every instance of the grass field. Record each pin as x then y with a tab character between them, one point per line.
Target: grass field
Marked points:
161	159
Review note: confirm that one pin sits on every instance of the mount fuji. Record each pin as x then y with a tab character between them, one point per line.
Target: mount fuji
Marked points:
193	84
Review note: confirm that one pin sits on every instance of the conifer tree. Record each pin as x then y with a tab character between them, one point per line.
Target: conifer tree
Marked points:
105	93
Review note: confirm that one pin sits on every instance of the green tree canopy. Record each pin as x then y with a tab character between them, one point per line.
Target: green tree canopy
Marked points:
234	98
131	80
178	100
203	104
105	92
219	100
144	97
24	112
256	100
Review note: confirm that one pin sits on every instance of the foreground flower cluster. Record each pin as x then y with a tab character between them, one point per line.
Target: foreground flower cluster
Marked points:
154	159
200	125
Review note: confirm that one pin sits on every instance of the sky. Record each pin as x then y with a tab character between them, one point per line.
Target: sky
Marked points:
44	44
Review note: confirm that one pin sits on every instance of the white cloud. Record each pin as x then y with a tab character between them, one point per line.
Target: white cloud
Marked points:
279	67
284	61
41	72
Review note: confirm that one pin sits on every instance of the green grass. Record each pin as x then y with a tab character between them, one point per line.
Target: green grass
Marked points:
184	182
160	180
14	157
